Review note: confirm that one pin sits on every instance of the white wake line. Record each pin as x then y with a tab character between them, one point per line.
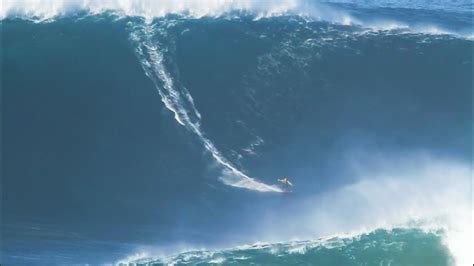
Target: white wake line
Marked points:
152	62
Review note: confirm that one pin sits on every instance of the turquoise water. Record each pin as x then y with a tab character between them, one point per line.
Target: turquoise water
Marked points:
378	248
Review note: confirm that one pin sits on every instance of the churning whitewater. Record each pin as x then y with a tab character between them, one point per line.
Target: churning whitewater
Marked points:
149	132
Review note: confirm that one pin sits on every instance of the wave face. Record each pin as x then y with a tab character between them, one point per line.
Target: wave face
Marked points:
381	247
152	128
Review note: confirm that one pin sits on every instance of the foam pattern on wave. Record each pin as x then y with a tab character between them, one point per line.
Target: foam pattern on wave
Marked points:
180	102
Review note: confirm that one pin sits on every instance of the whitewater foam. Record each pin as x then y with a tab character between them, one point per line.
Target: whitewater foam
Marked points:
419	191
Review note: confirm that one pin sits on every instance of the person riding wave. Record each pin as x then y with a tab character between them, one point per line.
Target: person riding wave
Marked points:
285	181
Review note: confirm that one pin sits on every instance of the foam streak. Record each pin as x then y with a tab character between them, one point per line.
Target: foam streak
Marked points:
180	102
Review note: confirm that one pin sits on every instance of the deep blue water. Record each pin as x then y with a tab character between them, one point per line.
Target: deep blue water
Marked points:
95	166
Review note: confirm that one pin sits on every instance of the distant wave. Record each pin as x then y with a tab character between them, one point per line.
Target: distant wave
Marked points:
180	102
464	5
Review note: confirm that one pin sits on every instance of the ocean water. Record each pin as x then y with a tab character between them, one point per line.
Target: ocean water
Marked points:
143	133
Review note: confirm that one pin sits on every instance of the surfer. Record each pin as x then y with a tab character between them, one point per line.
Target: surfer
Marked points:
285	181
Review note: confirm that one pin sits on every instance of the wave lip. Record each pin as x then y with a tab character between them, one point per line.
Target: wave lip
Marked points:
44	10
337	12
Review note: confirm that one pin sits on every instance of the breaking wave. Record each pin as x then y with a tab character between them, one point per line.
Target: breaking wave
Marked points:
399	246
313	75
339	12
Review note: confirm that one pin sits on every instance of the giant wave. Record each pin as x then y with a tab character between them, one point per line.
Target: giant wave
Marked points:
298	63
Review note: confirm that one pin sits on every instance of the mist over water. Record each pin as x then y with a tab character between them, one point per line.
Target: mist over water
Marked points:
155	133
